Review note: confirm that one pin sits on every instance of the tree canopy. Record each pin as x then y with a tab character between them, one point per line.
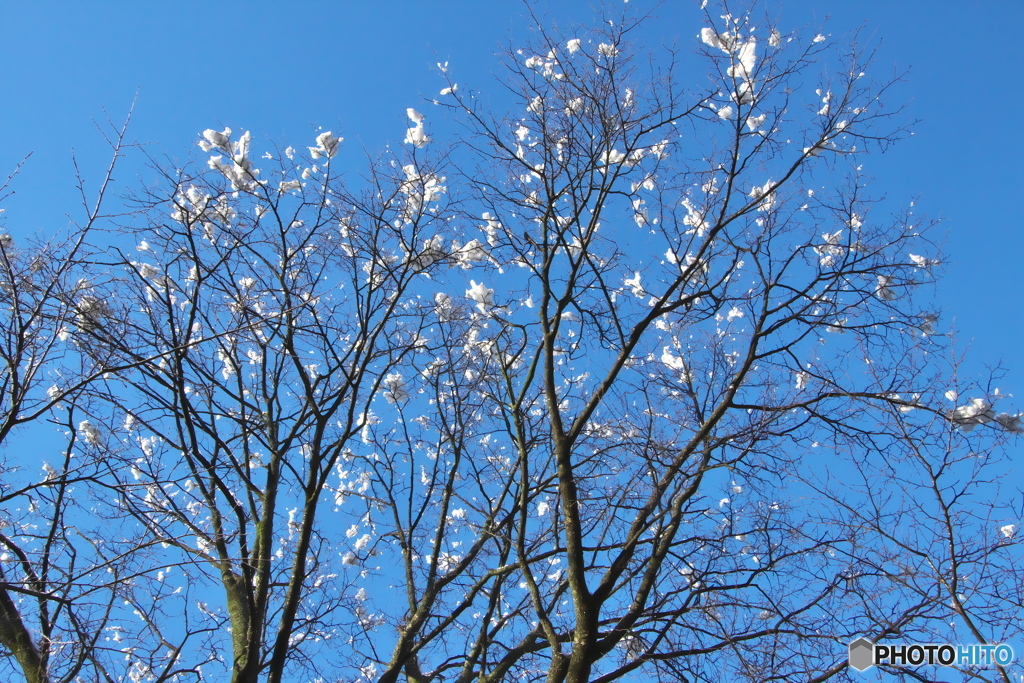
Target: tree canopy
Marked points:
638	380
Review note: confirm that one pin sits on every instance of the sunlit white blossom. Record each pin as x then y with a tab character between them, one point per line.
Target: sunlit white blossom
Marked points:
634	284
326	146
213	139
968	416
395	388
416	136
883	288
482	295
88	432
922	262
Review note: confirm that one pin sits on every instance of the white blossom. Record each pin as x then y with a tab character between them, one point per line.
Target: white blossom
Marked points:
968	416
326	146
612	156
238	168
416	136
447	562
213	139
634	284
1011	423
471	252
230	366
639	213
755	122
883	288
88	432
710	38
745	58
672	361
483	296
492	227
50	471
766	194
694	218
831	249
395	388
922	262
825	104
443	307
744	94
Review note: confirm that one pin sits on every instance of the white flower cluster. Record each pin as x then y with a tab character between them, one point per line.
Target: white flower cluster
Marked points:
395	390
416	136
743	56
482	295
88	432
547	66
326	146
193	207
979	411
91	310
238	168
419	190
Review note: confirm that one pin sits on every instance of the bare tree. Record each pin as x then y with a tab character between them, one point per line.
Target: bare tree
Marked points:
58	581
259	320
687	309
637	382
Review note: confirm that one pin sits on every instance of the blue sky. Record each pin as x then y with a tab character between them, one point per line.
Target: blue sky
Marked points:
281	70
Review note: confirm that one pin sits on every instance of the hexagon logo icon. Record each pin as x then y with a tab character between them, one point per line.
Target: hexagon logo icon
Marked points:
862	654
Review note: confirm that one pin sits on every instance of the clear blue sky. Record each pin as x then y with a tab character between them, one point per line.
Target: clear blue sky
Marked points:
281	69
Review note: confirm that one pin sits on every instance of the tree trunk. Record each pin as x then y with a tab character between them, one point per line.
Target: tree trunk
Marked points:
16	638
